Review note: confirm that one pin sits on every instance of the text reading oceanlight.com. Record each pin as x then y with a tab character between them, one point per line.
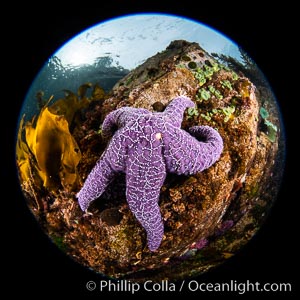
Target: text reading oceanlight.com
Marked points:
193	286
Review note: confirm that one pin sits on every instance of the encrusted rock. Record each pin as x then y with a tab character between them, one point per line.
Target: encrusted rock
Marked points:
197	210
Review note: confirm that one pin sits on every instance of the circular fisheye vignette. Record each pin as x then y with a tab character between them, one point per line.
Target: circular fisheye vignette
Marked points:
146	224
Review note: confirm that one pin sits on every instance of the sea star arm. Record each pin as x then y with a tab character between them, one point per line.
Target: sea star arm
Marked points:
145	175
211	144
111	162
188	154
176	108
95	184
118	119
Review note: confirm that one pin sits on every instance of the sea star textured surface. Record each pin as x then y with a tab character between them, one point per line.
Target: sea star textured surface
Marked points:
145	146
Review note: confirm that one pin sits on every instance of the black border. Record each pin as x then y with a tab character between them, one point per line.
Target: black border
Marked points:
35	266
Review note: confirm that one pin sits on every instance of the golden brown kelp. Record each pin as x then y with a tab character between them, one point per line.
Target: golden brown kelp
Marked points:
56	153
45	144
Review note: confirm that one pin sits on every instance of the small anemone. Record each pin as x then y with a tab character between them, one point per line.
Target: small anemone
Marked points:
158	106
264	113
192	65
186	58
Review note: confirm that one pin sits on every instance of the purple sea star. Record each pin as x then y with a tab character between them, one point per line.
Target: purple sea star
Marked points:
146	146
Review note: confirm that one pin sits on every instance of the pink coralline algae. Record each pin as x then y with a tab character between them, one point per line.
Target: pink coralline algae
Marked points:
200	244
225	226
145	146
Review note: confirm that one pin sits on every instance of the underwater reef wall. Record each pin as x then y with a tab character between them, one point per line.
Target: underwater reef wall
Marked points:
207	216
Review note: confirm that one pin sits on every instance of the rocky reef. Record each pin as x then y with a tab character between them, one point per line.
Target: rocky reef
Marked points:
207	216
